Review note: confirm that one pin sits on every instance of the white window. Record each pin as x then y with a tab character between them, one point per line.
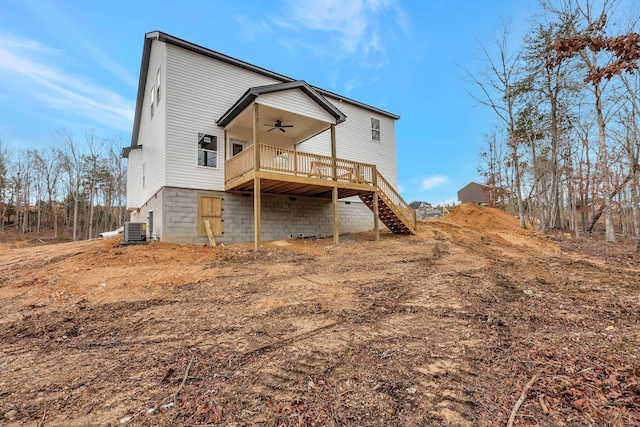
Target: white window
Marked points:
158	87
237	147
153	99
207	150
375	129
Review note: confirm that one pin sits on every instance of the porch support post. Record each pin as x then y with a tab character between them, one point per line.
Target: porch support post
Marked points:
334	166
256	180
336	229
334	190
256	141
224	155
376	225
256	213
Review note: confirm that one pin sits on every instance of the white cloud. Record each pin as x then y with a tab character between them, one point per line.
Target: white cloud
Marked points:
24	63
50	12
356	22
433	181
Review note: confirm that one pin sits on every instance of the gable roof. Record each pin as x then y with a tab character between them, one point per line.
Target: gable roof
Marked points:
251	95
166	38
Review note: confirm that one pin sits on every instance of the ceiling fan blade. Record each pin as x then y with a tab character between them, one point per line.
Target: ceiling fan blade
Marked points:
283	129
270	129
287	126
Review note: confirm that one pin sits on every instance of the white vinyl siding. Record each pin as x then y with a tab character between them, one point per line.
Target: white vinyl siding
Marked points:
199	90
296	101
152	134
134	179
353	141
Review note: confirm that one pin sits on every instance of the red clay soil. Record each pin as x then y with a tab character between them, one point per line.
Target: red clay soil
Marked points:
442	328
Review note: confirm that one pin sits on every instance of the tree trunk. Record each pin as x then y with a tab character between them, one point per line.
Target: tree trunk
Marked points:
604	168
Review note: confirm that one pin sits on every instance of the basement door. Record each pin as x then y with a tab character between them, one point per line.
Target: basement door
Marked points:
210	209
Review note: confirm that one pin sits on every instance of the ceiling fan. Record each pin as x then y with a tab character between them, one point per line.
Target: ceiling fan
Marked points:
278	125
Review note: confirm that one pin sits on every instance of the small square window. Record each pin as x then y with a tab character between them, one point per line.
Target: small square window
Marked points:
375	129
207	150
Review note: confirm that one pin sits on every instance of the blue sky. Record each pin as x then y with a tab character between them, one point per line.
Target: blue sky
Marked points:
75	65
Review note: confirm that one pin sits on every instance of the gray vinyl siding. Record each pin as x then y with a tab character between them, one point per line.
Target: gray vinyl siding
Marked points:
152	134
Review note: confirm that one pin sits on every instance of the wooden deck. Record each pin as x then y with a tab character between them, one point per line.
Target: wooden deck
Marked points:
291	172
288	172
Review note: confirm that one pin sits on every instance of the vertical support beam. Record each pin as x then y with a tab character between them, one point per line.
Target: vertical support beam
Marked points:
295	159
334	166
256	180
256	213
334	191
256	140
225	155
336	228
376	213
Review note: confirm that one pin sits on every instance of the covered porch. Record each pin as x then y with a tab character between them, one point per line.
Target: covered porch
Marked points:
280	168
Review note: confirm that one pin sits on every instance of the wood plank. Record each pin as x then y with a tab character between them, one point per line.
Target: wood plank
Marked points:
207	226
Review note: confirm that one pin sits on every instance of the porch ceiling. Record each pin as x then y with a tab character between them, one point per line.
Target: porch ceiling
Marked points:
303	127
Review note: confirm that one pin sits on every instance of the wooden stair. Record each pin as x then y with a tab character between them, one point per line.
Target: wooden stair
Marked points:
393	211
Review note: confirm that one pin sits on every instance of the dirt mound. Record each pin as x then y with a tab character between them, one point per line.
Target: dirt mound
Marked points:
482	218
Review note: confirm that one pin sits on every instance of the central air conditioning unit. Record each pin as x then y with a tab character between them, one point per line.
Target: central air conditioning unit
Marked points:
135	232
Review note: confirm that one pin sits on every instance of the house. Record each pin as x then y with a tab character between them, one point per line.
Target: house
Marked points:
418	205
475	193
253	154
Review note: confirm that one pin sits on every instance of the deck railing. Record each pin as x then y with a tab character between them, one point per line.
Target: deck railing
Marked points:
291	162
240	164
387	191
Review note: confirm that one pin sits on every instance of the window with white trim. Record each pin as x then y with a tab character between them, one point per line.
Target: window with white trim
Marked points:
158	87
375	129
207	150
153	99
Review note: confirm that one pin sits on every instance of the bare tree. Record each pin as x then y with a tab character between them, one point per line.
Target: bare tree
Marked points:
602	57
4	184
71	159
500	89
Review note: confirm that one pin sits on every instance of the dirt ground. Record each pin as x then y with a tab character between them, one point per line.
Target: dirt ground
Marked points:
446	328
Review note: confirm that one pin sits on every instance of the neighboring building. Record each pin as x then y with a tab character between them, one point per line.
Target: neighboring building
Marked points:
474	192
418	205
324	161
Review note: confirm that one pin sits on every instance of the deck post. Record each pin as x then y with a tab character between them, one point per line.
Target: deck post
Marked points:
225	154
256	141
334	190
336	228
334	164
256	180
376	213
256	213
